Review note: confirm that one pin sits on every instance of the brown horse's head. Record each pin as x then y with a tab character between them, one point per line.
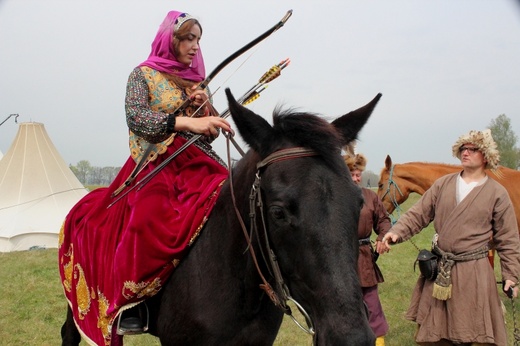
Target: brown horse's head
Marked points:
392	189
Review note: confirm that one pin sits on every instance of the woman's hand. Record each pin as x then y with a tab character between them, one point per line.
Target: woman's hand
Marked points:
199	98
207	126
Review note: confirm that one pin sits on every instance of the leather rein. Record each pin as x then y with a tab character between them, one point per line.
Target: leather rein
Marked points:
392	194
281	295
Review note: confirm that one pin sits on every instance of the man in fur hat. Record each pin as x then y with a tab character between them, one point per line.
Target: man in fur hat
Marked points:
462	305
374	217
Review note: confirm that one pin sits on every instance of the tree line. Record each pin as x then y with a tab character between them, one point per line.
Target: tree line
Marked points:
500	127
506	140
90	175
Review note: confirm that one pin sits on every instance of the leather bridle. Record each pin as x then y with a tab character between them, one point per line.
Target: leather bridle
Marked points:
281	295
392	194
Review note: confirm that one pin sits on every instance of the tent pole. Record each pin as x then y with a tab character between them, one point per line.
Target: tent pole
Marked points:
11	115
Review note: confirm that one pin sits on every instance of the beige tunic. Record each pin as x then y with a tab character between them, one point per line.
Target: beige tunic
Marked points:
473	314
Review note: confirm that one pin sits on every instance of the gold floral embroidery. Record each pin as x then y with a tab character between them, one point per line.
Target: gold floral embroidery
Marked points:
138	147
142	289
61	235
82	292
67	269
205	219
103	320
197	231
165	96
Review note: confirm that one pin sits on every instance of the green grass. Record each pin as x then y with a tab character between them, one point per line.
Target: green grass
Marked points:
93	187
32	305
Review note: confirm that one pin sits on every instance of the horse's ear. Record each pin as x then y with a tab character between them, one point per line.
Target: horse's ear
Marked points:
252	127
388	162
351	123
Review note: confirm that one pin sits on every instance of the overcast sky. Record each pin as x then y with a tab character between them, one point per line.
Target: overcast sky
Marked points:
444	67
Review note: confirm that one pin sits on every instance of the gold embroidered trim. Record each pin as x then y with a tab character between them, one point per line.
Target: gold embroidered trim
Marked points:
61	235
165	96
82	292
205	219
103	319
67	269
142	289
138	147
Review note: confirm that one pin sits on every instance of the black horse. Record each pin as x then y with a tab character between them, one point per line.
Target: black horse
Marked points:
298	206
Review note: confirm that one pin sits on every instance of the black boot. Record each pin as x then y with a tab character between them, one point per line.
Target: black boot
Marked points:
133	321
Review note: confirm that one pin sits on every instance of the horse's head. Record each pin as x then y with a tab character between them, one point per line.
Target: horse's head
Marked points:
310	208
391	188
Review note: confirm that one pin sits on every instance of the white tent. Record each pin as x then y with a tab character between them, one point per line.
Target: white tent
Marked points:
37	190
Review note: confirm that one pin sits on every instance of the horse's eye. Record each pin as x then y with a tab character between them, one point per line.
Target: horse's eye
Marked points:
277	213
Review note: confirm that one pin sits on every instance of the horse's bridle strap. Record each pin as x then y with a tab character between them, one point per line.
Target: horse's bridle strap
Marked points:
281	297
284	154
391	195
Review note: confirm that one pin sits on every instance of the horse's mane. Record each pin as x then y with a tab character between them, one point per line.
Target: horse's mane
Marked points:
311	131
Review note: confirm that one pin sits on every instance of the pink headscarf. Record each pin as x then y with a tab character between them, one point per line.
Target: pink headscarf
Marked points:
162	58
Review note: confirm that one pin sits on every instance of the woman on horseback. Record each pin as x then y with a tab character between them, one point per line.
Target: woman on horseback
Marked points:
131	241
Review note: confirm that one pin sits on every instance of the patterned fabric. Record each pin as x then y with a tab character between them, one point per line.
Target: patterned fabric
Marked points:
111	259
147	121
161	95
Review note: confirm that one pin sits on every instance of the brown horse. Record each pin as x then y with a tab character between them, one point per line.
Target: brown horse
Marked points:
397	181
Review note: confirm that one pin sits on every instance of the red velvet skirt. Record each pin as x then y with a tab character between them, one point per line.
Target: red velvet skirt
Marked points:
113	258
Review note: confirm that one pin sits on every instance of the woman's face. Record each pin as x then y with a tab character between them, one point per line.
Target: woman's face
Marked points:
189	45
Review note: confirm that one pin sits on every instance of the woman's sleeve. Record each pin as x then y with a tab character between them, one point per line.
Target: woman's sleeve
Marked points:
152	126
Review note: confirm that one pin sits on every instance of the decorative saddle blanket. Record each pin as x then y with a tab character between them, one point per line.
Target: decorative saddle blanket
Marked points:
113	258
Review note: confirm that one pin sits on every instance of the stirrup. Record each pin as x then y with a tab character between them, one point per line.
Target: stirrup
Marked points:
143	316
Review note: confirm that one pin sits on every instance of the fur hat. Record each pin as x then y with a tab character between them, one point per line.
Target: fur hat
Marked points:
484	142
357	161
